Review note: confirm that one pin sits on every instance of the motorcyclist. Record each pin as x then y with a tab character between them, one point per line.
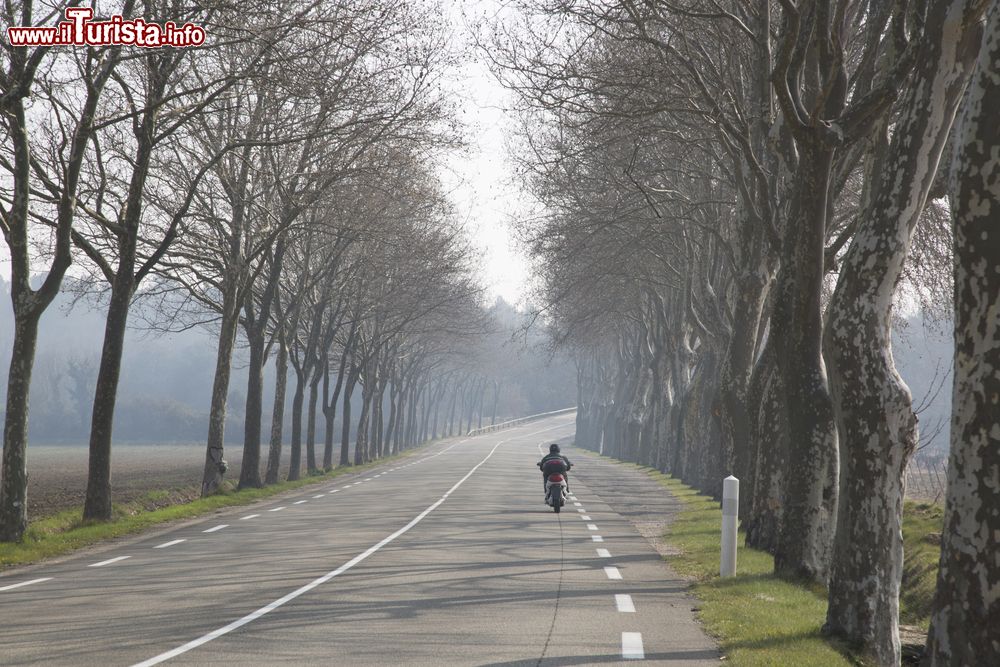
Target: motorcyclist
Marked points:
559	463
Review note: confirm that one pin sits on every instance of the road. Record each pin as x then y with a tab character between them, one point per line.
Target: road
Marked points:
448	557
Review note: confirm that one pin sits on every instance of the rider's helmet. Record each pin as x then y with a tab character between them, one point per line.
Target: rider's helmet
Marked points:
553	448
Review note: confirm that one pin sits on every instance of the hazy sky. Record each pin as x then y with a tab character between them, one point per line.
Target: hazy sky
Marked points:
481	182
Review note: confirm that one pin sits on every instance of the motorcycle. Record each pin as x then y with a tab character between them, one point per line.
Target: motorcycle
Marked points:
555	491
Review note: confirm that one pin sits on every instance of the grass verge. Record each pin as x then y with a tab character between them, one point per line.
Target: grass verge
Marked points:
760	619
66	531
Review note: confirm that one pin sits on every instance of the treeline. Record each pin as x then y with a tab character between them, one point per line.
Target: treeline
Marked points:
736	196
166	379
278	186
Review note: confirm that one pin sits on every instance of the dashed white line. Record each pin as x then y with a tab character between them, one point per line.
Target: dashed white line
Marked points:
317	496
169	544
624	603
216	528
108	561
577	504
632	646
24	583
604	553
597	538
249	516
335	490
613	573
277	509
585	517
591	526
367	479
299	502
240	622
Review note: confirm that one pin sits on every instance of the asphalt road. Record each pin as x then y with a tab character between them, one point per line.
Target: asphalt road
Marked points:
449	557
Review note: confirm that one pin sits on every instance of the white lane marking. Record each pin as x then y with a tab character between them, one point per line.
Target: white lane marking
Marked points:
591	526
216	528
299	502
347	486
604	553
335	490
613	573
24	583
581	510
632	646
317	496
108	561
169	544
624	603
277	509
249	516
597	538
585	517
240	622
577	505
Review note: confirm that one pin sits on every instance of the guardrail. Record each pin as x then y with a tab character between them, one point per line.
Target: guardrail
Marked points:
519	421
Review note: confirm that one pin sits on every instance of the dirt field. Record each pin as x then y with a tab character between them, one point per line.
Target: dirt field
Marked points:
57	474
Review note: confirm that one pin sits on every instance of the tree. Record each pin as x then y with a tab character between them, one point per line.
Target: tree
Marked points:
966	607
73	110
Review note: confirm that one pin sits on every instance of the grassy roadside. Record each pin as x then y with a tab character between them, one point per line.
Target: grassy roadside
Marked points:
760	619
66	531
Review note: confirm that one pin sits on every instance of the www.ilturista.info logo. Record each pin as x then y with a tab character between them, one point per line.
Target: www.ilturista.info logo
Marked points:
79	30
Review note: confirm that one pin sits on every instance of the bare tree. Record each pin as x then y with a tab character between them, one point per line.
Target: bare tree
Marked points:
966	608
70	128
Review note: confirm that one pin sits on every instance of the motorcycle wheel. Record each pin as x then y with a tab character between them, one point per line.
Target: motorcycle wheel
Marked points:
556	502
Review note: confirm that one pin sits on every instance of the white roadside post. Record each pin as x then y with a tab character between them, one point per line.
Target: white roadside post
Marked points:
730	510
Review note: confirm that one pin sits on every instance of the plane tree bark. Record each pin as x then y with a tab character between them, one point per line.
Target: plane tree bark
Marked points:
876	425
966	611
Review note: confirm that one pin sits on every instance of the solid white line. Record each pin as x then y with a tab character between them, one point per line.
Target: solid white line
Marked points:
613	573
24	583
240	622
624	603
591	526
219	527
277	509
299	502
249	516
604	553
169	544
632	646
317	496
585	517
108	561
597	538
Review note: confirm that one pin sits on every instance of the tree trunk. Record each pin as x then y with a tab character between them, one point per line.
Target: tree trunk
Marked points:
298	402
361	443
345	436
330	412
769	453
810	508
250	469
877	427
278	411
215	465
97	505
966	612
311	421
14	474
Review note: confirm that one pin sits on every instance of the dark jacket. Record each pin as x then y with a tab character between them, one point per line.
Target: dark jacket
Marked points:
554	457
